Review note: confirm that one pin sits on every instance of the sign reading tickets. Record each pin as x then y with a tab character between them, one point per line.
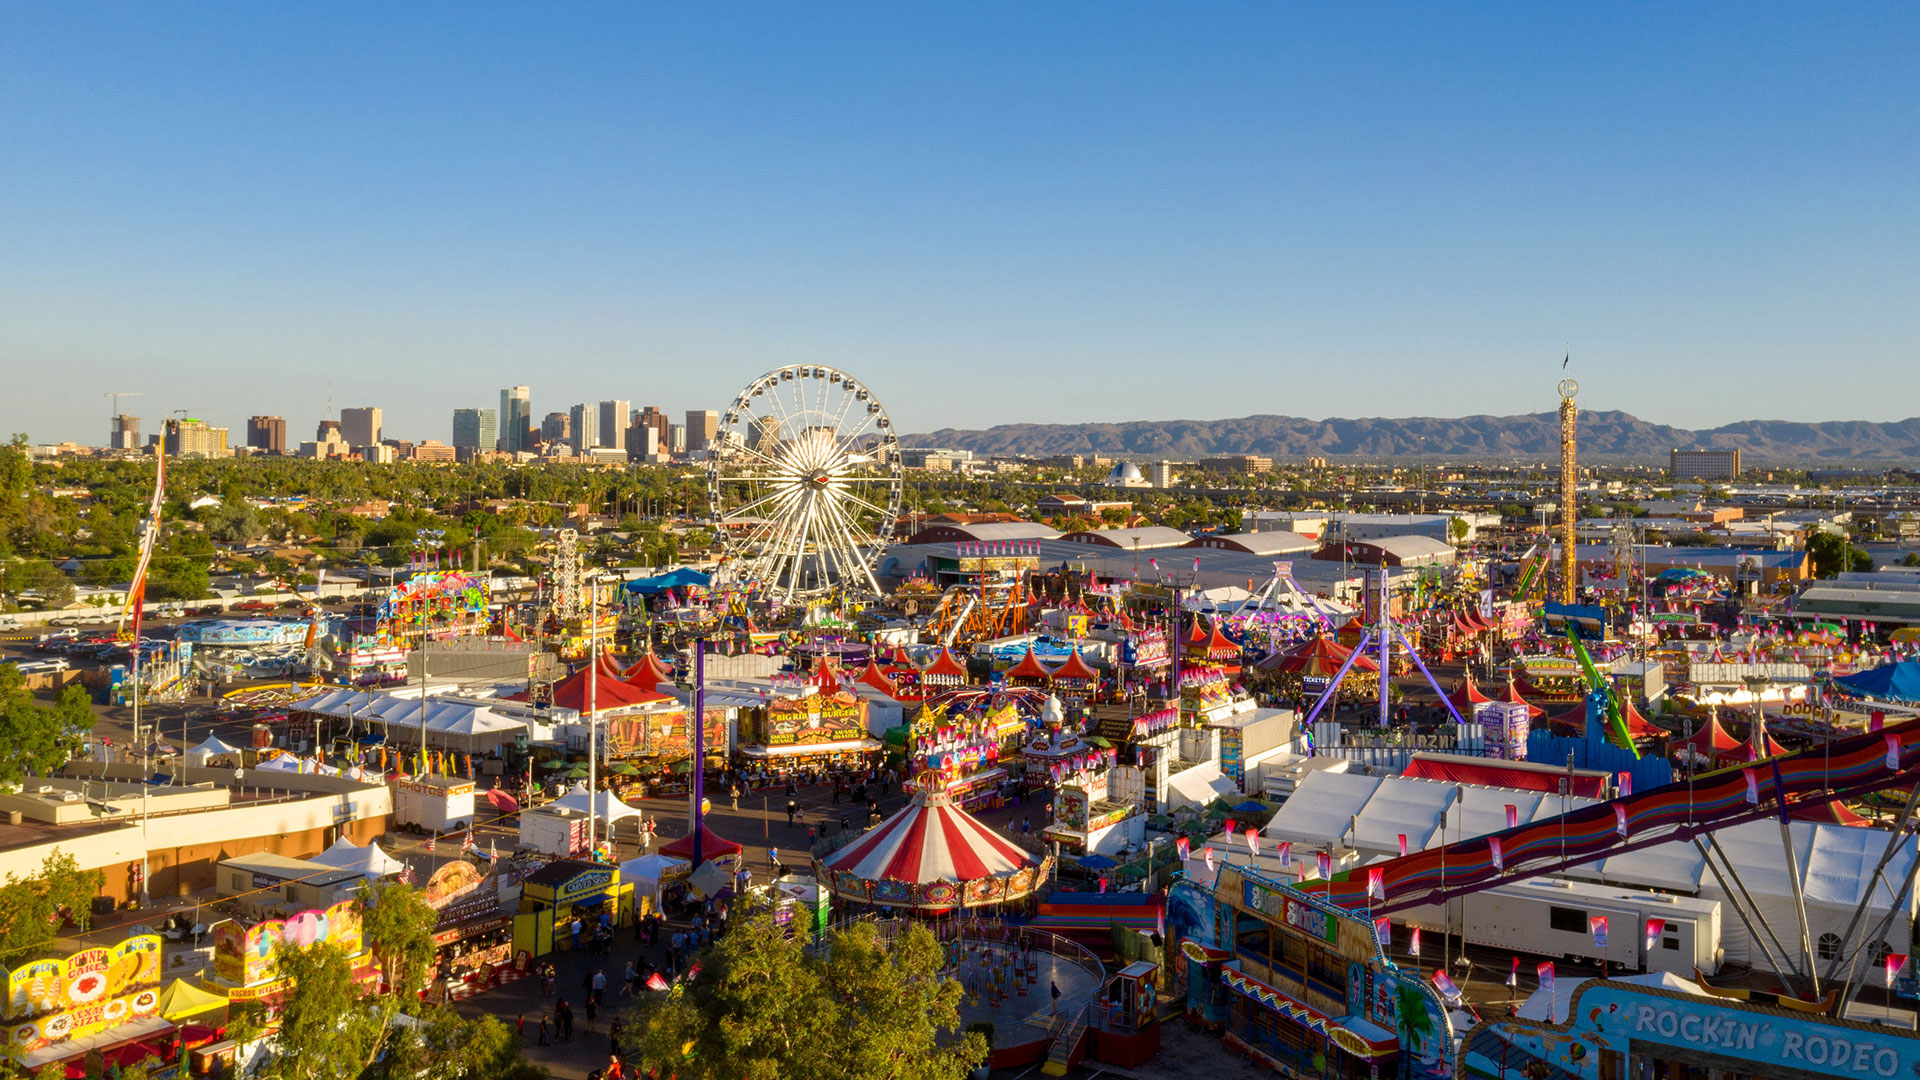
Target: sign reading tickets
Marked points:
816	719
51	1001
243	955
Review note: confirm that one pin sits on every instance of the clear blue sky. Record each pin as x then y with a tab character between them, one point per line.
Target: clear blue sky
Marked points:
1027	212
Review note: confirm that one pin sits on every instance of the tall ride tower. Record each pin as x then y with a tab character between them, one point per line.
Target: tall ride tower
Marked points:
1568	411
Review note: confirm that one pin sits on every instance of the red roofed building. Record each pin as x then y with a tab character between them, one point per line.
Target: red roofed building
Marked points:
1029	668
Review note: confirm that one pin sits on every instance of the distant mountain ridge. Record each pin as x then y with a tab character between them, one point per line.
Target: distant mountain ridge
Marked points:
1532	436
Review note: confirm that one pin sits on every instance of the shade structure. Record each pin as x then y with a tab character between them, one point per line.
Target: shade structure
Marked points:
946	668
605	804
182	999
872	676
1319	656
1029	667
1075	666
712	846
1574	718
932	856
649	673
1899	681
608	692
1710	740
1466	696
368	862
1512	697
213	747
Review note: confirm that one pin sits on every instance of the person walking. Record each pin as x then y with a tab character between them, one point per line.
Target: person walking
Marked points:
599	986
563	1020
1053	988
792	809
545	1019
632	975
593	1011
575	928
614	1031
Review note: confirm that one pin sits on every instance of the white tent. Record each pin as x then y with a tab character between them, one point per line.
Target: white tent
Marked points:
1537	1003
368	862
280	763
646	871
211	748
604	804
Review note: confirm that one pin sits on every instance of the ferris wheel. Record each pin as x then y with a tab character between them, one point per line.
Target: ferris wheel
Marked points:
804	474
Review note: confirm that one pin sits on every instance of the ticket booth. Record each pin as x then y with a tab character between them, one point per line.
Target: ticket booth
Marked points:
564	890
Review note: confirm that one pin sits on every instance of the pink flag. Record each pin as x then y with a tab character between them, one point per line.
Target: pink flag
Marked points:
1230	827
1655	927
1545	974
1449	990
1285	851
1513	973
1209	857
1383	931
1753	787
1597	924
1326	865
1182	846
1513	815
1626	783
1895	961
1376	883
1253	841
1620	820
1499	853
1893	751
1413	941
1403	844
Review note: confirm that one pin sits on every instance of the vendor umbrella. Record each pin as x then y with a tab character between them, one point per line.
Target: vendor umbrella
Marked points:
555	763
621	768
1096	862
1250	807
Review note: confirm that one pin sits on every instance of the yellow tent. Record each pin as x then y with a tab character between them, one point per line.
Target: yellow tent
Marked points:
182	999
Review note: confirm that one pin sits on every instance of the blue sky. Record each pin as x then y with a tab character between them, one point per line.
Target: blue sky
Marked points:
1022	212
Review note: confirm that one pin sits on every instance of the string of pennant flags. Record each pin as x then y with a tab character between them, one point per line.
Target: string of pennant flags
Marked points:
976	549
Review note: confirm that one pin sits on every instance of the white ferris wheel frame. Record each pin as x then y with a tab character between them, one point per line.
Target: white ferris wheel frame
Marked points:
834	467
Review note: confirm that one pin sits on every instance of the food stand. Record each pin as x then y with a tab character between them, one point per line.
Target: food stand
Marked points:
96	1000
555	894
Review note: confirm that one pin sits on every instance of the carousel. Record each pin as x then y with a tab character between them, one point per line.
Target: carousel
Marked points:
931	857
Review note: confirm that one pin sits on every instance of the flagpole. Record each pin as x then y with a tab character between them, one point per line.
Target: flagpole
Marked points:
593	709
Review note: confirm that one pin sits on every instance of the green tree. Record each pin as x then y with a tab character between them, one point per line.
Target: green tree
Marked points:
1833	553
764	1008
398	926
35	738
33	910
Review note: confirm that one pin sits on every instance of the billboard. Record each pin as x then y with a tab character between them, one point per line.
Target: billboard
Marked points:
243	955
51	1001
816	719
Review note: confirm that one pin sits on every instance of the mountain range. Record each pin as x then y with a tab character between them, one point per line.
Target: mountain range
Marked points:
1533	436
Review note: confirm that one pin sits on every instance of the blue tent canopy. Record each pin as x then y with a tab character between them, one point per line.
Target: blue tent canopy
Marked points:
672	579
1899	681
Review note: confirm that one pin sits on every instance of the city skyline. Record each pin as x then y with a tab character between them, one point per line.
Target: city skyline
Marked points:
1706	206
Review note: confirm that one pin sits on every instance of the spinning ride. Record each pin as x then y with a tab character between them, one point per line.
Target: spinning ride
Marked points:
932	856
807	467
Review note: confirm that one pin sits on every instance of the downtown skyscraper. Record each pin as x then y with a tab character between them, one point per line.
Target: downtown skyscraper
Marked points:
516	410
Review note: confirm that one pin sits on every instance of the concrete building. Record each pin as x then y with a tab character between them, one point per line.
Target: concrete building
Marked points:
934	459
326	430
433	451
679	439
613	424
1160	473
515	418
267	434
764	435
475	429
1246	464
193	438
703	427
360	427
126	433
584	422
1704	464
642	441
1391	551
652	417
556	428
1126	474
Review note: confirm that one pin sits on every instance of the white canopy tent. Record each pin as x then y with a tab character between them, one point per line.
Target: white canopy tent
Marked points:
604	805
369	861
213	747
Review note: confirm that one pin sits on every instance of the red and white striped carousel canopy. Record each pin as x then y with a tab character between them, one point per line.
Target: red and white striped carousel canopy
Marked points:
931	840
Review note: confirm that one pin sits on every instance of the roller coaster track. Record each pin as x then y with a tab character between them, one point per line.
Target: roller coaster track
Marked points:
1843	769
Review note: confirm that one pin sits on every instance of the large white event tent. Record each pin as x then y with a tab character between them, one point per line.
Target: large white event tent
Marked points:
464	723
1833	862
604	804
213	747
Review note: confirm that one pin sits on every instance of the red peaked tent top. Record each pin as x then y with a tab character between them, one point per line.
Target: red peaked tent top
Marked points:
649	672
712	845
1711	740
1744	751
1466	697
946	664
826	678
1029	667
1638	727
1218	645
1075	667
1513	698
1196	633
613	692
874	677
1319	655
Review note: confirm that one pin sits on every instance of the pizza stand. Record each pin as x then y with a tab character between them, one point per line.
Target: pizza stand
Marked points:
555	894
